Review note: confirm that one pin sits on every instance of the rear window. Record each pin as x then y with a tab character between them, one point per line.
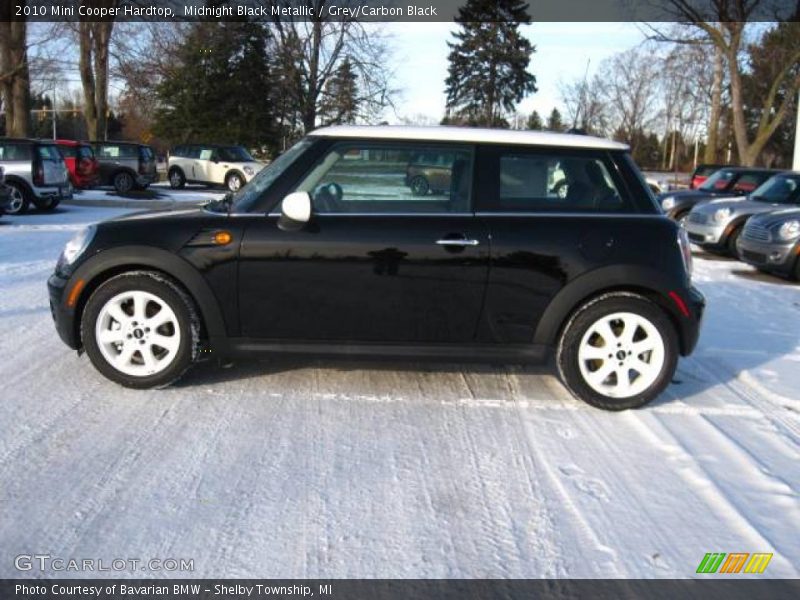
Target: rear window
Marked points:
48	152
85	152
68	151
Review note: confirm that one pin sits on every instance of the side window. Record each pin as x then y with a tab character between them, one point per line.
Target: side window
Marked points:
106	151
15	152
206	153
539	182
748	182
387	178
179	152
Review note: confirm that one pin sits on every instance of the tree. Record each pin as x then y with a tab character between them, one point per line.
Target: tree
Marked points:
535	122
310	51
220	87
94	39
488	71
14	72
725	28
586	105
554	122
340	102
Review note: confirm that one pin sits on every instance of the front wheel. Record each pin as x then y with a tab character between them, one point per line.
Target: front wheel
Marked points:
233	182
420	186
140	330
618	351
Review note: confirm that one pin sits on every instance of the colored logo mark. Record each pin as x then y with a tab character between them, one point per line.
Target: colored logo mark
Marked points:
736	562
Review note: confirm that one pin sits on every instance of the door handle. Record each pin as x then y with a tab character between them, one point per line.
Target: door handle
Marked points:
457	242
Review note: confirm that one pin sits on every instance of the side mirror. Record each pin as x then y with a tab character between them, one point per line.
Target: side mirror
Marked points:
295	211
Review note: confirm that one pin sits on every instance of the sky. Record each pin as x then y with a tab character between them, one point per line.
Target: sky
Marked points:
562	52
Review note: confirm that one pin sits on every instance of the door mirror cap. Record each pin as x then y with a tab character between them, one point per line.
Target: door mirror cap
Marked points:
295	210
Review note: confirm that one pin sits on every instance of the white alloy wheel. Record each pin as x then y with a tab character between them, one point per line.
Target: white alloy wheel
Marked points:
138	333
621	355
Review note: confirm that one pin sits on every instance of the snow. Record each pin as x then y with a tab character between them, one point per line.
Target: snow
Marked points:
300	468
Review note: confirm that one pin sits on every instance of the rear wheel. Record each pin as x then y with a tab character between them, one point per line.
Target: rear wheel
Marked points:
19	200
140	330
618	351
733	239
123	182
176	179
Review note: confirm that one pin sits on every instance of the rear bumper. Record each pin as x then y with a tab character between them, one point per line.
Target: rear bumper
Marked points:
689	325
766	255
63	316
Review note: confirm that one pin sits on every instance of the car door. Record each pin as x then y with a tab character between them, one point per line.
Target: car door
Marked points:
541	239
375	263
204	164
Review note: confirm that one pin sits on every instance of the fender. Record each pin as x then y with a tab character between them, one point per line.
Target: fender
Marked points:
127	258
647	280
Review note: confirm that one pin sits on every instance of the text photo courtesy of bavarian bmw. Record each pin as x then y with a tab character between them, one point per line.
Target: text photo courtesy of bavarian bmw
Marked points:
328	251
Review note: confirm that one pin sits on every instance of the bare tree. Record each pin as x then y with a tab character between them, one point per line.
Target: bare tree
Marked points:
310	52
586	106
725	29
94	39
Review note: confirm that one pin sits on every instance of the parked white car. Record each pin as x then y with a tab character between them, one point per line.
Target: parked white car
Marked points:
211	164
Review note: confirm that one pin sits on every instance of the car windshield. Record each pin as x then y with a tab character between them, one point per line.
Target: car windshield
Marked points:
718	181
781	189
248	195
234	154
705	171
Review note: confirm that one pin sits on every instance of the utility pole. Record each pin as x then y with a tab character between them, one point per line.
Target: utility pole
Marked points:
54	114
796	163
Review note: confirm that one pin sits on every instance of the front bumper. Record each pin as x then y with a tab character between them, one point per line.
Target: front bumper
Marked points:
706	234
63	315
774	256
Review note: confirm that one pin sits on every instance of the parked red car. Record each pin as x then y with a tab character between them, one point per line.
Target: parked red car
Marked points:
84	170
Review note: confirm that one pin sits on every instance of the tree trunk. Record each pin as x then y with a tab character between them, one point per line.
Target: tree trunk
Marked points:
310	108
94	39
712	143
15	77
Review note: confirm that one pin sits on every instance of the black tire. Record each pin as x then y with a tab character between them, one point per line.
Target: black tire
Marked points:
168	292
124	182
177	180
46	204
419	186
19	200
234	182
733	238
585	317
796	271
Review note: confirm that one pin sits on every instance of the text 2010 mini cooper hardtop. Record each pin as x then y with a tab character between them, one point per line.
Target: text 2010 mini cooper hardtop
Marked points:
328	251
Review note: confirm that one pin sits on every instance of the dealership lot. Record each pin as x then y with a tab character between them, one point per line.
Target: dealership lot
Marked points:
340	469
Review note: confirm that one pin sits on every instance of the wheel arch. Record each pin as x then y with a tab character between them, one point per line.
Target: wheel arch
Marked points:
234	171
641	281
16	179
110	263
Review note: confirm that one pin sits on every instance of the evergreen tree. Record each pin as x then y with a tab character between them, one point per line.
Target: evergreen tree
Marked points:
554	122
535	122
340	101
488	73
221	88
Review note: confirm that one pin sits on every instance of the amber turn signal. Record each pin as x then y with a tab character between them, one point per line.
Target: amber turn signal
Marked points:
222	238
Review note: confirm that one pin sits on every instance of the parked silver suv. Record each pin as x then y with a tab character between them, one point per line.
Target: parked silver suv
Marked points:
35	174
4	192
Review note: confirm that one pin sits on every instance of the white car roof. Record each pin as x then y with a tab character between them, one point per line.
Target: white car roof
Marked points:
469	134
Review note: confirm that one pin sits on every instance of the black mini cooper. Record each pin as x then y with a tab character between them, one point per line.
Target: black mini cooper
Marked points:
328	251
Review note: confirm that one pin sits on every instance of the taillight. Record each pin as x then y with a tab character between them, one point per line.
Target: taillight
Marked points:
38	174
686	251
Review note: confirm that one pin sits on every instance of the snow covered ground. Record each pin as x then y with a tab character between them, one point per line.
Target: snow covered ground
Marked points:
337	469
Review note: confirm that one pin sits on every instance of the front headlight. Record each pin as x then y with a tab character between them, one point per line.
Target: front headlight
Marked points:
668	203
76	246
789	230
722	215
249	171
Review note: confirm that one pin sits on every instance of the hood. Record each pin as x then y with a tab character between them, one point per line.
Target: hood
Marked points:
162	213
739	205
775	218
691	195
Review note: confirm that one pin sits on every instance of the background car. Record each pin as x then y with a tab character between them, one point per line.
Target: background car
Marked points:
771	242
717	225
211	164
35	174
83	168
125	165
701	173
5	193
429	172
727	182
